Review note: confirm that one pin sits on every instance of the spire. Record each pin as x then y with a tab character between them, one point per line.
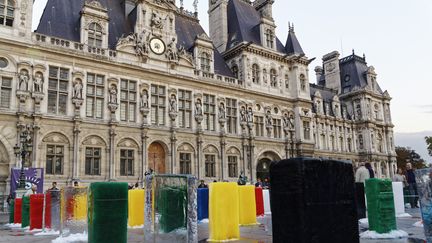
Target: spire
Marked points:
292	45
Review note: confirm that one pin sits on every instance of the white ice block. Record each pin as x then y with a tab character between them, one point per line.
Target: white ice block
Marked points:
266	194
398	198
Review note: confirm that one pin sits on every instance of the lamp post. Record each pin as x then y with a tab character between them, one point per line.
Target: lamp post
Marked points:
24	149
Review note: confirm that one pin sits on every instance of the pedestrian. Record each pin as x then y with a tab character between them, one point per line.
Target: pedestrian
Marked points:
9	199
266	183
76	184
242	180
136	185
371	172
202	184
362	173
53	187
259	183
400	177
412	185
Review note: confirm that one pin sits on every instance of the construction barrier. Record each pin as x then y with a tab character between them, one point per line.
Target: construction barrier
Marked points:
266	195
247	206
108	212
136	207
73	216
18	211
37	202
11	211
259	201
398	198
224	211
380	205
25	212
203	203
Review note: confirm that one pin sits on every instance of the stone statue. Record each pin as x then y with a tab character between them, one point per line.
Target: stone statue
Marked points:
173	104
358	112
157	21
269	119
291	122
222	112
171	53
250	115
144	99
113	95
23	80
243	116
77	90
198	108
38	83
141	47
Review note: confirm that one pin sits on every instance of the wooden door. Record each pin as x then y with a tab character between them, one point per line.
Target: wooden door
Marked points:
156	158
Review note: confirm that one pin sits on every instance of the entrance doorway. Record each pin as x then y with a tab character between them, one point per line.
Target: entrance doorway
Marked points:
156	158
263	169
4	168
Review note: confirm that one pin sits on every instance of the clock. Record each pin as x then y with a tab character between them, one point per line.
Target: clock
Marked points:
157	46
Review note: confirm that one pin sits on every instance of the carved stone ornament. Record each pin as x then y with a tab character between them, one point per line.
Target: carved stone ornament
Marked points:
198	111
77	89
157	21
38	82
113	94
173	113
23	80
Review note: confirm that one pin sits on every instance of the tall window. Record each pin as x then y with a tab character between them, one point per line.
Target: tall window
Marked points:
205	62
7	12
303	82
185	108
95	96
235	71
94	35
341	143
306	130
277	128
128	100
231	106
210	165
158	105
232	166
54	159
185	164
349	145
269	38
273	78
259	126
287	86
332	143
5	92
209	112
58	90
255	74
126	162
92	161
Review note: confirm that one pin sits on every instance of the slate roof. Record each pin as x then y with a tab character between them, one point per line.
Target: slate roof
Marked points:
61	18
292	46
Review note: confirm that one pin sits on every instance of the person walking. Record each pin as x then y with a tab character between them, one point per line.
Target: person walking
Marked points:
369	168
259	183
412	185
362	174
54	186
202	184
400	177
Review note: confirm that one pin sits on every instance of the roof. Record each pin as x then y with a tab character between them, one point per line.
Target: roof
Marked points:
243	25
292	45
61	18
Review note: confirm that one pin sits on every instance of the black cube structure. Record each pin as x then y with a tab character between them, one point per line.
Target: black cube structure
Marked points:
360	200
313	201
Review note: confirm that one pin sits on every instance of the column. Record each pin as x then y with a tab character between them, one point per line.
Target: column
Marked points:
143	168
111	166
75	153
222	156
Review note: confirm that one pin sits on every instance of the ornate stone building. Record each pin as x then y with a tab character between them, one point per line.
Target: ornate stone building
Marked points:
112	88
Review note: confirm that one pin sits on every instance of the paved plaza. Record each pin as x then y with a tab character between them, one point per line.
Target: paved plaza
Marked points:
255	234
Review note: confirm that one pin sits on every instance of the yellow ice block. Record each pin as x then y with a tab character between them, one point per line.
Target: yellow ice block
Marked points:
80	206
224	211
136	207
247	205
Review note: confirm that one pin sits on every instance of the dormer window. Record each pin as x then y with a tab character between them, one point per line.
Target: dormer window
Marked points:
205	62
94	35
255	74
269	38
235	71
7	12
273	78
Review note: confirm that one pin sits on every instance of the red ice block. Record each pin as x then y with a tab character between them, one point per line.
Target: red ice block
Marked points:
17	211
36	211
259	200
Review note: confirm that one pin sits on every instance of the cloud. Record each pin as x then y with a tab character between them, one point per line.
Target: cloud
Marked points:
424	108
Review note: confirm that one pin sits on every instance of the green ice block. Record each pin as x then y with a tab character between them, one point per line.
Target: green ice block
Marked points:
25	212
172	207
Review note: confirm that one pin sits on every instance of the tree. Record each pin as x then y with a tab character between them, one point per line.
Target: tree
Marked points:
429	144
407	155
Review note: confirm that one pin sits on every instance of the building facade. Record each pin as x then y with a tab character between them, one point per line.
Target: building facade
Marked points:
111	89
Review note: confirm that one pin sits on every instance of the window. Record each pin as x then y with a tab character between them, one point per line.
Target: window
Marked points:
92	161
231	106
269	38
128	100
322	141
126	162
287	86
185	164
158	105
303	82
277	128
5	92
95	96
205	62
232	166
306	130
235	71
58	90
341	144
94	35
185	108
54	159
273	78
209	112
255	74
259	126
7	12
332	143
210	165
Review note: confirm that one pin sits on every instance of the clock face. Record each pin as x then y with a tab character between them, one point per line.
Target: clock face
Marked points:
157	46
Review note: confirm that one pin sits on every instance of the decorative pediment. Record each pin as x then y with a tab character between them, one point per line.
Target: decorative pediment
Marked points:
95	4
185	147
55	137
127	143
233	151
94	141
210	149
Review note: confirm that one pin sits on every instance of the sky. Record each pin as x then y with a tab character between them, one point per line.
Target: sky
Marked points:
394	35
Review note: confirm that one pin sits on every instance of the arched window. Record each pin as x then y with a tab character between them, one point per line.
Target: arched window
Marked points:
205	62
235	71
269	38
273	78
94	35
303	82
7	12
255	74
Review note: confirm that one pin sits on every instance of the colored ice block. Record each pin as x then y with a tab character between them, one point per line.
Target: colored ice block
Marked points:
266	195
18	211
259	201
424	187
224	211
11	211
136	207
25	212
54	201
398	198
73	216
247	205
203	203
36	211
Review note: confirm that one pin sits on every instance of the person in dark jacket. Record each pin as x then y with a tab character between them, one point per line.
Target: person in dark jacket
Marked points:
412	185
371	172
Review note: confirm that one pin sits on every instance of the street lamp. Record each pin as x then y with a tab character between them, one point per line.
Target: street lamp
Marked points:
25	148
